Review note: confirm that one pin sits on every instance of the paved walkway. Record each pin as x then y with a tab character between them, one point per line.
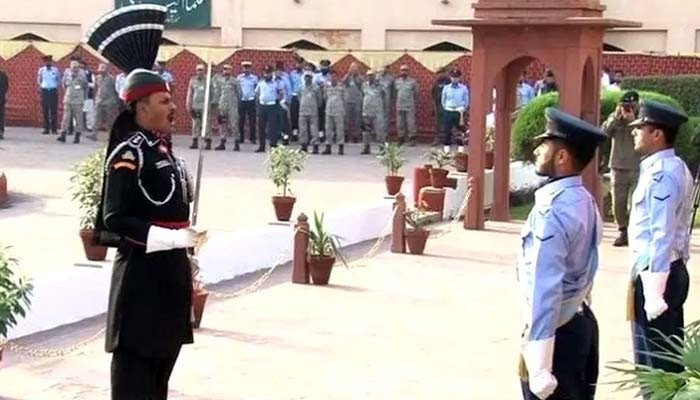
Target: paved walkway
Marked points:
442	326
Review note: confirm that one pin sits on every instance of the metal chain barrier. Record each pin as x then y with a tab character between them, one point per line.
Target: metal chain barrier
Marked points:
48	353
455	220
378	243
255	286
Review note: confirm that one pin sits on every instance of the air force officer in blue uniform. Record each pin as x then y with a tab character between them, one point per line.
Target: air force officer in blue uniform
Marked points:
557	264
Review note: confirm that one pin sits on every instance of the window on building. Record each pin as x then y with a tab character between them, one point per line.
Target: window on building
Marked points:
446	46
303	45
30	37
610	47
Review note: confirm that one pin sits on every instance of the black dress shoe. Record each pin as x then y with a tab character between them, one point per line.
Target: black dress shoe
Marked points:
259	150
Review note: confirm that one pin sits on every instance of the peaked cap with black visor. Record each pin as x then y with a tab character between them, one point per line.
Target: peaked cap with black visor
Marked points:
129	37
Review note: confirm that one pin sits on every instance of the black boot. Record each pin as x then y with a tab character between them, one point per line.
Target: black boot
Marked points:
327	151
61	137
76	138
401	141
341	149
305	148
365	150
285	140
621	240
207	144
195	144
236	146
221	146
315	150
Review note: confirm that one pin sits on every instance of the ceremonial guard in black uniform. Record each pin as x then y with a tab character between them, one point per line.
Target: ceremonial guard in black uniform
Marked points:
144	212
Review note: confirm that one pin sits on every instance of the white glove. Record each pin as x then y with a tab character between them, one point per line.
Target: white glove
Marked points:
539	355
160	239
654	285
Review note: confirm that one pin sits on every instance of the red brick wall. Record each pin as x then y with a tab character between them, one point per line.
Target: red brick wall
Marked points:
23	103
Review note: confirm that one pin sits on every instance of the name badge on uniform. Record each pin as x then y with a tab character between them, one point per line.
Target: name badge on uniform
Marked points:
162	164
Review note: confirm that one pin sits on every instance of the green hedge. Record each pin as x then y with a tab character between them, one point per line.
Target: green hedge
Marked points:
684	88
531	122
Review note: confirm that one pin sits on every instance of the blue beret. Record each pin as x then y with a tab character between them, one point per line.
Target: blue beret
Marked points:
652	112
561	125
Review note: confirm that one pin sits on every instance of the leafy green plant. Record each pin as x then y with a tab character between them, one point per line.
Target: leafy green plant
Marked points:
14	293
684	88
531	122
392	157
439	157
416	218
323	243
657	384
87	187
282	162
490	138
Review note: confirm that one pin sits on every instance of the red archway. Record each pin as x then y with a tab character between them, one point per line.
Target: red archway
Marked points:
567	36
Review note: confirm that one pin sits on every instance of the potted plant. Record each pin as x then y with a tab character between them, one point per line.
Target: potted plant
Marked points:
199	294
392	157
654	383
282	162
439	158
14	294
461	159
86	188
490	140
323	248
416	235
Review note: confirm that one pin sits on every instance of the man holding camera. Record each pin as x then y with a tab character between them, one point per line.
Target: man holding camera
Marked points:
624	161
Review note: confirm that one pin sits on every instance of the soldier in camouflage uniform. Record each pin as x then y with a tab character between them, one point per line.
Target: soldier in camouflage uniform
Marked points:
373	111
229	91
406	100
73	102
353	85
310	97
387	83
106	101
334	94
195	106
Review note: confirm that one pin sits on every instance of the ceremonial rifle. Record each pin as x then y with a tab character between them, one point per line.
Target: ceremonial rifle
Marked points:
200	160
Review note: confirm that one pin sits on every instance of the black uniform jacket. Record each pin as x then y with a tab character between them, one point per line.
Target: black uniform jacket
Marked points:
150	294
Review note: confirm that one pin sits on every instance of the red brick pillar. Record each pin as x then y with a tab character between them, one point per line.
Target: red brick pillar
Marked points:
398	230
3	188
300	268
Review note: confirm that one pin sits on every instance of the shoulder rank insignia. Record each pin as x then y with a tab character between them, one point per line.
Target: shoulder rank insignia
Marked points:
128	155
545	238
657	178
124	164
662	198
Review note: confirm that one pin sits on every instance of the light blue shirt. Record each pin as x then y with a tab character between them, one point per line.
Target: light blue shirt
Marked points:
295	81
659	230
559	255
320	79
268	92
248	84
285	86
48	77
525	94
455	97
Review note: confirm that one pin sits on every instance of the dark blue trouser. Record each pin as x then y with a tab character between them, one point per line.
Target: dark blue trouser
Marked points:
269	124
645	334
575	359
450	123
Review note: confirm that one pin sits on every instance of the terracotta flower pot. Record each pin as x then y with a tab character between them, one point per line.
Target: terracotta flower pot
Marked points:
461	162
489	159
199	299
92	251
438	177
393	184
320	269
3	188
416	239
283	207
421	179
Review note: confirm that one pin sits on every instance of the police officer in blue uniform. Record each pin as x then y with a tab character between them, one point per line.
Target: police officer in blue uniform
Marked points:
659	233
269	93
557	264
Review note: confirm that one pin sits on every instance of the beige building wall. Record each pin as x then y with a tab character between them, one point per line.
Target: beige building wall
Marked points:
670	26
